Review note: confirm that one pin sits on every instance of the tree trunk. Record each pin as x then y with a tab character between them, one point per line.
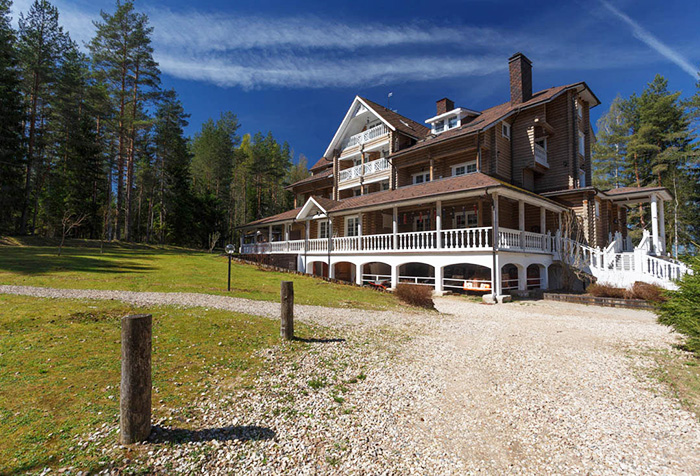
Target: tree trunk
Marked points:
30	153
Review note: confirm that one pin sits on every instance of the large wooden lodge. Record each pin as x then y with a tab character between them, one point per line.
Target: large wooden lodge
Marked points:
472	200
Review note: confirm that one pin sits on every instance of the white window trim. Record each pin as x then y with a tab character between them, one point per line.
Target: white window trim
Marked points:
505	130
579	109
465	165
425	180
347	223
446	123
320	222
581	143
464	214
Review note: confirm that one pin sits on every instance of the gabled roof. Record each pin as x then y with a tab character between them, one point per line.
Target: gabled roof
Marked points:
493	115
400	123
322	162
314	203
393	120
279	218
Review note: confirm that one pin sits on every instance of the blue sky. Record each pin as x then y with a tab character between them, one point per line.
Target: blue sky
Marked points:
293	67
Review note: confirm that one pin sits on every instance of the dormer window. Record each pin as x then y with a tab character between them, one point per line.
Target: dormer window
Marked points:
452	122
450	119
439	126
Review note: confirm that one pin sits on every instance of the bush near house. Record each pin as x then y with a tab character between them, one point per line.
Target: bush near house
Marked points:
416	295
682	309
639	290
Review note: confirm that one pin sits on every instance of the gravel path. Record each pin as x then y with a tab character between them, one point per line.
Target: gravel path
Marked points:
521	388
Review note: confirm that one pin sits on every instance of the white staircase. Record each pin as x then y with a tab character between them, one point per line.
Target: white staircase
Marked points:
620	265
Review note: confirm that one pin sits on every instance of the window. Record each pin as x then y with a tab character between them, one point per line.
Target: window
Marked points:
462	169
465	220
452	122
421	177
581	178
421	223
597	209
323	229
581	143
505	130
352	226
356	192
579	109
439	126
384	186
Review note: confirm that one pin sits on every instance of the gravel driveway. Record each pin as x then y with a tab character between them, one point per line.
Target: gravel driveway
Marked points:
521	388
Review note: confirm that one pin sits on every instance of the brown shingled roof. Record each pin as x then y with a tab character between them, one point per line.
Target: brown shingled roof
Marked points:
284	216
621	190
312	178
322	162
488	117
399	122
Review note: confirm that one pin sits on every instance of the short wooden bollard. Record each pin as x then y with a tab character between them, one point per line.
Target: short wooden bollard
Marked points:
287	302
135	402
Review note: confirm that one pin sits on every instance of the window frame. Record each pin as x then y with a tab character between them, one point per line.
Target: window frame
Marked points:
425	175
506	130
423	219
581	178
581	143
356	227
466	165
442	126
466	215
321	226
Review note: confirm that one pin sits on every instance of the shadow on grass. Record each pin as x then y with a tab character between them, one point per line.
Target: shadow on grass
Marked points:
160	434
313	340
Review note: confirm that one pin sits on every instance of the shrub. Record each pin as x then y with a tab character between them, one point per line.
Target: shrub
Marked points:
416	295
647	292
682	309
605	290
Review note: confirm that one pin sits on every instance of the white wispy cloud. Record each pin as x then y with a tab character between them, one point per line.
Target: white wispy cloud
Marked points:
645	36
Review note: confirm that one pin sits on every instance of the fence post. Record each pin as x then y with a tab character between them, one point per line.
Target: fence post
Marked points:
287	310
135	400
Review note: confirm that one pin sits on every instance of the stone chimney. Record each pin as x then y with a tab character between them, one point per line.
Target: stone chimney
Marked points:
520	78
444	105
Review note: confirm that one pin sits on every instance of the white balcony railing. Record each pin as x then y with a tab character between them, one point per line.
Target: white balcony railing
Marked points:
366	136
541	155
367	169
465	239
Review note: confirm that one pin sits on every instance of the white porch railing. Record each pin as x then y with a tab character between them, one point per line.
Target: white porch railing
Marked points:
417	241
370	168
541	155
366	136
469	238
378	242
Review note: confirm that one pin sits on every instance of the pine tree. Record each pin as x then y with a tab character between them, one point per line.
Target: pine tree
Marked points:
10	123
123	59
610	149
41	43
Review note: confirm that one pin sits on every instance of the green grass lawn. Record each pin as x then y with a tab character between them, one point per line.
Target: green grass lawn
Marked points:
34	262
59	370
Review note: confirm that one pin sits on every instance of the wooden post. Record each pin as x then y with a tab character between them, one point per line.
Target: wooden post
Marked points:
135	401
287	305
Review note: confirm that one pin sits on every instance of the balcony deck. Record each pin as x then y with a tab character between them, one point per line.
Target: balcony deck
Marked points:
467	240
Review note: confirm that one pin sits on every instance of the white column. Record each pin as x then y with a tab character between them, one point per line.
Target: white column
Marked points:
438	227
438	280
496	277
559	221
543	220
394	276
662	227
287	226
358	275
395	228
331	270
522	278
655	224
308	230
494	219
269	233
521	223
359	231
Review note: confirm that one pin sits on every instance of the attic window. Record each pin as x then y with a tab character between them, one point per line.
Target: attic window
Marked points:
439	126
452	122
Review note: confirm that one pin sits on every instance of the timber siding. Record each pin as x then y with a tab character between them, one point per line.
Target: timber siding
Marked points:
558	147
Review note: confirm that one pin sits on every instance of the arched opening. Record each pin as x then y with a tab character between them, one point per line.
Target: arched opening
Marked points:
467	278
319	268
376	274
417	273
534	276
509	277
344	271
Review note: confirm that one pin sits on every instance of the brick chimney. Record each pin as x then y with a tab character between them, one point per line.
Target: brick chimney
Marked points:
520	78
444	105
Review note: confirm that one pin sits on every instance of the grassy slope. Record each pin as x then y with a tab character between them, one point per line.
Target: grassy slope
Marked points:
34	262
59	370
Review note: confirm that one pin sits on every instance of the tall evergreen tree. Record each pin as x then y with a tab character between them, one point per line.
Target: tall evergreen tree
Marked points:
123	60
11	150
41	45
